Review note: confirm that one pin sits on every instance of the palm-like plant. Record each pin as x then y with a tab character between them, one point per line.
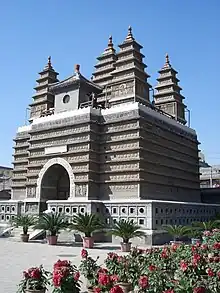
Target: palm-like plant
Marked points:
207	226
25	221
87	224
177	231
126	229
53	223
194	232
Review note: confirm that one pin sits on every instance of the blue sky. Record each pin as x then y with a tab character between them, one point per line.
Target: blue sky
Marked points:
77	32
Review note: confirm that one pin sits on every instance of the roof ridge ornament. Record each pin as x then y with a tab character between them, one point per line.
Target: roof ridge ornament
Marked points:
77	70
130	35
49	64
110	48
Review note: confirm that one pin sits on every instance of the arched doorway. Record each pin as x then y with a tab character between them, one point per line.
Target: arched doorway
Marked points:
55	184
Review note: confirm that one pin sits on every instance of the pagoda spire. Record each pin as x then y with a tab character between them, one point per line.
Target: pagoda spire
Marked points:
43	100
129	35
129	77
105	65
168	97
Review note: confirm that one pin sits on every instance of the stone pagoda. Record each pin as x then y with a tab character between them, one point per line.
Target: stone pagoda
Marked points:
102	146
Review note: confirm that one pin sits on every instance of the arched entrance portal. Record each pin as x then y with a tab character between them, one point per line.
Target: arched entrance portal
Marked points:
55	184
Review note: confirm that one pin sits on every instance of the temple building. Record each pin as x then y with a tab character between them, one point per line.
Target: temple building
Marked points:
101	145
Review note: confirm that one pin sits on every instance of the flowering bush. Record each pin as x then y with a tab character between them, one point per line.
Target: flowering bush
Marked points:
89	268
65	277
34	279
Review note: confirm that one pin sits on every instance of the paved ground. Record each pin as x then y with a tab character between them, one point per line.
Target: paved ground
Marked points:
15	257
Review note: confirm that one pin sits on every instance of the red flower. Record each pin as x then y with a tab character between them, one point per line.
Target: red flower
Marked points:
174	247
35	273
196	259
97	290
76	276
152	268
112	255
114	278
25	274
102	271
204	246
57	279
84	253
218	274
103	279
194	248
143	282
116	289
183	265
216	259
169	291
210	272
164	253
199	290
61	263
216	245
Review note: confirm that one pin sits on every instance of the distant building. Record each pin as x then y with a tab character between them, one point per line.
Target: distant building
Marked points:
202	162
5	182
210	177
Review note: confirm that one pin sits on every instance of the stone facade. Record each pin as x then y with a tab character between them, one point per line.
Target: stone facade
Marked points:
101	146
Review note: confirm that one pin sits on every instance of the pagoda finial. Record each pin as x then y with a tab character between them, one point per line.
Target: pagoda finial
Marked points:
130	35
167	63
77	68
110	47
48	65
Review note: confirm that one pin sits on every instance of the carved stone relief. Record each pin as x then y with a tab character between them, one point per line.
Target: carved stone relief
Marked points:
81	190
31	192
31	208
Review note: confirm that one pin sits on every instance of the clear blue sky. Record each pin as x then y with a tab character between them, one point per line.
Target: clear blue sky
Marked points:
77	32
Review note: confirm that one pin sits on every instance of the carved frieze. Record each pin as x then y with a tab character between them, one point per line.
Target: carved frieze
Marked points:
83	147
168	89
121	127
81	190
120	177
78	168
123	187
51	142
121	146
81	177
120	137
31	208
64	131
31	192
120	167
123	89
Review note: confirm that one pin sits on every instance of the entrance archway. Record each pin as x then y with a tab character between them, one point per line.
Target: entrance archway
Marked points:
55	184
60	169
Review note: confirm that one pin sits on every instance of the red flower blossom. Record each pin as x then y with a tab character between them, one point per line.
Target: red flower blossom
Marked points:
143	282
183	265
84	253
169	291
216	259
103	279
216	245
204	247
114	278
174	247
199	290
35	273
164	253
61	263
210	272
152	268
194	248
76	276
25	274
218	274
97	290
196	259
57	279
116	289
102	271
112	255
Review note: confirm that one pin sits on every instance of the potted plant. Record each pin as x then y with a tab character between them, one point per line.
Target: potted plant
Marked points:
177	232
25	221
194	234
65	277
127	230
89	269
35	280
87	224
52	223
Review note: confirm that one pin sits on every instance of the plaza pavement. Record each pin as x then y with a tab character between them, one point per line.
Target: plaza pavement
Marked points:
15	257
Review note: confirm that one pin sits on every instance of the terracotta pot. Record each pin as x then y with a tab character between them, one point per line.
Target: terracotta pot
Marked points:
126	287
126	247
35	291
52	240
88	242
24	237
